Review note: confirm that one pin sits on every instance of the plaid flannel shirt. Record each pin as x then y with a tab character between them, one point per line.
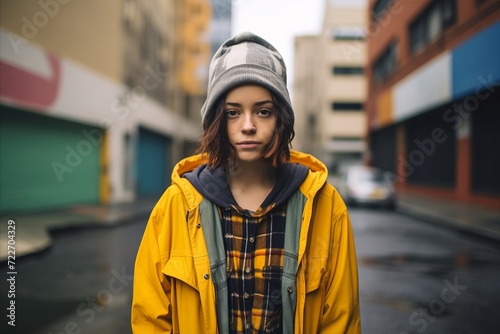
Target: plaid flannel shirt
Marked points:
254	243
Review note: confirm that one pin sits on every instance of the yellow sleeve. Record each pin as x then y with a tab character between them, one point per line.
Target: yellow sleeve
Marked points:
151	289
341	308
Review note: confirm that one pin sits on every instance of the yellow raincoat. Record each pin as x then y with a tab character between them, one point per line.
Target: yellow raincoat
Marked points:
173	290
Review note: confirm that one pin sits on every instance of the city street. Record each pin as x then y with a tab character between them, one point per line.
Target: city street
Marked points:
106	104
415	277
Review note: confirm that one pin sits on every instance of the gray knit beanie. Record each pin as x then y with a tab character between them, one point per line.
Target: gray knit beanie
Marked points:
245	59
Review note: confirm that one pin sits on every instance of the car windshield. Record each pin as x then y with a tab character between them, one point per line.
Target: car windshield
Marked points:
369	176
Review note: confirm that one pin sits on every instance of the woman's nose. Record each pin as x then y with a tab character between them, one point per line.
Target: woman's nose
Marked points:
248	126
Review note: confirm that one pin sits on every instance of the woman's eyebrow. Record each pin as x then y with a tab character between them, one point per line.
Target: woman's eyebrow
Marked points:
263	102
260	103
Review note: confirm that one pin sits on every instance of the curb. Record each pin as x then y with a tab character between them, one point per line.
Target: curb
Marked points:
449	223
44	237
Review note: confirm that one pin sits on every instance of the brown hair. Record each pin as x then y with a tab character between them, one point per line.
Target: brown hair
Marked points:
215	142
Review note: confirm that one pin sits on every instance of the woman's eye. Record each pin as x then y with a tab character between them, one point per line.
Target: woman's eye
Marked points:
265	112
231	113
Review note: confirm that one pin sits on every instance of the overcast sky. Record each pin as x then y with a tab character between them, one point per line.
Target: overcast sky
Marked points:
279	21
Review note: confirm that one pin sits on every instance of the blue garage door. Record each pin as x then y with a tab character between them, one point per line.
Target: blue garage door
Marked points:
152	163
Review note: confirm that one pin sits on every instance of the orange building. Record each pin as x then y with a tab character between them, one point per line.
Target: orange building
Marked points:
433	102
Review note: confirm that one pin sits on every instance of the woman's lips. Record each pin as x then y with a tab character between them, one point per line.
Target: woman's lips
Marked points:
248	144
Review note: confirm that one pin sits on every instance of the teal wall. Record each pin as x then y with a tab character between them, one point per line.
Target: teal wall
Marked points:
152	161
45	162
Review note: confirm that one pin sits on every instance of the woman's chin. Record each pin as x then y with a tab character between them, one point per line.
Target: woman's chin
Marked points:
249	157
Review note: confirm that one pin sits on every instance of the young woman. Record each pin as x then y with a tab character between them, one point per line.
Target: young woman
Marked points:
250	237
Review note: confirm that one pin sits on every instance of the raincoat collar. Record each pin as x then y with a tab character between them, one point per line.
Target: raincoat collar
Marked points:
316	178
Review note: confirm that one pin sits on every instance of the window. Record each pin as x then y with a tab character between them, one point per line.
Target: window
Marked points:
348	34
386	63
347	70
347	106
479	3
429	25
379	7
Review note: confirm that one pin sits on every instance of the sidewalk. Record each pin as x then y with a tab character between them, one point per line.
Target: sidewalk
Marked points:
32	230
469	218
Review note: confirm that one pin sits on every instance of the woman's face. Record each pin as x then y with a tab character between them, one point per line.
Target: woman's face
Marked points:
251	121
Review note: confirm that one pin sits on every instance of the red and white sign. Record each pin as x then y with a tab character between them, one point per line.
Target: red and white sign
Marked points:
29	76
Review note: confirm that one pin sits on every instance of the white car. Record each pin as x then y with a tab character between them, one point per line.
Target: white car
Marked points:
368	186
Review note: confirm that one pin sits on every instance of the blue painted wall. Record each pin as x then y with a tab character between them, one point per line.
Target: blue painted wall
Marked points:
476	62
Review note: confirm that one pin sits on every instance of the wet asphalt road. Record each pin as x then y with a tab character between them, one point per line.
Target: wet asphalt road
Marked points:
415	277
81	285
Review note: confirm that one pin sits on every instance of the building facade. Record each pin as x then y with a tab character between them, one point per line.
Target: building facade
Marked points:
433	101
220	25
306	97
330	88
92	103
